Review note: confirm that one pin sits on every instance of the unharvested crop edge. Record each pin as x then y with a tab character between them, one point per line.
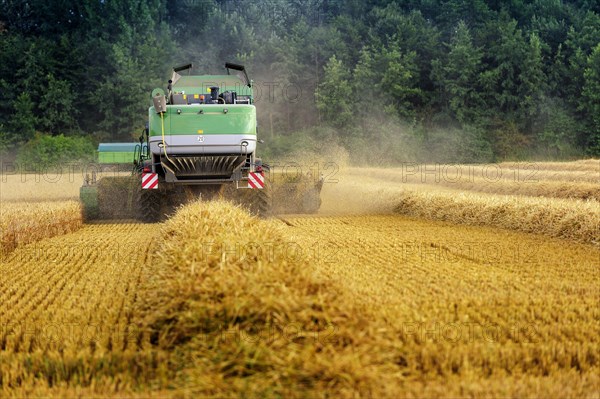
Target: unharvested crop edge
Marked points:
37	221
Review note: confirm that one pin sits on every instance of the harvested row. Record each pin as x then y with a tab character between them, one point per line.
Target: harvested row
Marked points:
563	218
247	315
533	174
24	223
477	311
571	219
451	179
544	188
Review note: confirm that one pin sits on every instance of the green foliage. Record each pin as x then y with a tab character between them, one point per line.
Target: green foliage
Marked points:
23	121
557	136
518	77
532	80
508	54
591	97
399	79
58	107
453	145
46	150
457	77
5	142
387	78
334	96
139	58
508	142
287	145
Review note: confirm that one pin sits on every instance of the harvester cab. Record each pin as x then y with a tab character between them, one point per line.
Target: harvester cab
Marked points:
200	141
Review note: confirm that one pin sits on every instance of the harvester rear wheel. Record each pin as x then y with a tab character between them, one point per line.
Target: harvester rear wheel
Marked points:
149	205
263	200
258	202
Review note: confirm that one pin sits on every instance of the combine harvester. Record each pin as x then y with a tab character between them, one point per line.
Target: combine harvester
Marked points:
200	142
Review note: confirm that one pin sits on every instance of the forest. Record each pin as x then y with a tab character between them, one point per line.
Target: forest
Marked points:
385	81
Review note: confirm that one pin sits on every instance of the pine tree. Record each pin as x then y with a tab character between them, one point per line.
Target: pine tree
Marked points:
57	107
457	76
532	81
590	103
23	121
334	94
400	80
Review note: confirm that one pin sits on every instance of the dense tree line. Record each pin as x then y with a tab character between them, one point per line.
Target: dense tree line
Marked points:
448	80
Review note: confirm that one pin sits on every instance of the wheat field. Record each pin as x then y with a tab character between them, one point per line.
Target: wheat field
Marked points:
475	312
396	289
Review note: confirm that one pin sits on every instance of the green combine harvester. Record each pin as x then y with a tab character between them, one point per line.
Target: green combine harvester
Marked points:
200	142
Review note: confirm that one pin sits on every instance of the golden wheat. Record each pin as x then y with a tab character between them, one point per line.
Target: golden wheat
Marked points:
32	187
66	311
592	165
253	318
572	219
218	303
228	305
565	218
61	185
452	179
417	284
24	223
529	172
478	311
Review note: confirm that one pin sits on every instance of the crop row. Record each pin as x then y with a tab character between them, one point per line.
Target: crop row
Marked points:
571	219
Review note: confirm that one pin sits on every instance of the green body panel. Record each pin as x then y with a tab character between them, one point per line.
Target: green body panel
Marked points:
206	119
115	157
111	153
187	120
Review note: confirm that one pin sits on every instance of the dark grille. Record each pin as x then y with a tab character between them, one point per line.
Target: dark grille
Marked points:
204	166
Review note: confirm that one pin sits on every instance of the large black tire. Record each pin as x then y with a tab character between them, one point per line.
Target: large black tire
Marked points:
150	205
258	202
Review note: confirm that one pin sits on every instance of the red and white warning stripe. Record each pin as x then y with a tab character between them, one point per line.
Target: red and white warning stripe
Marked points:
149	181
256	180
